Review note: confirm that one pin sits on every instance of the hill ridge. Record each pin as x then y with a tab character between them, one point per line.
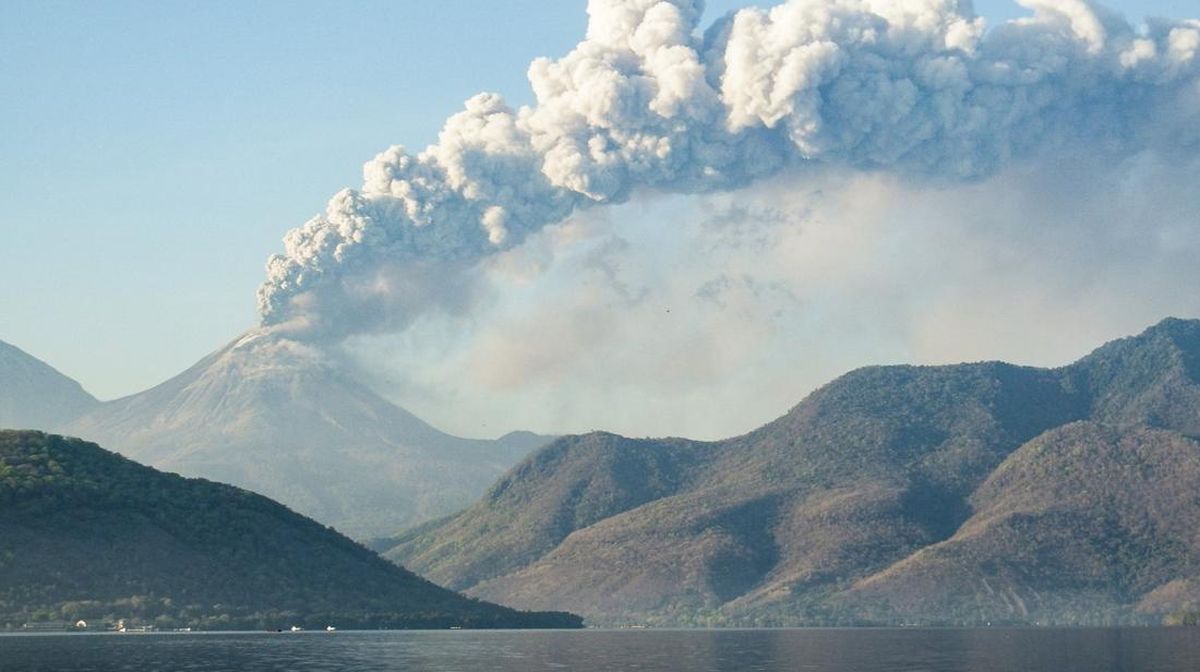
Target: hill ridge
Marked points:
176	552
864	473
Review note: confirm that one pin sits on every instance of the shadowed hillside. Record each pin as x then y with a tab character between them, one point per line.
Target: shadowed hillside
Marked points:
87	534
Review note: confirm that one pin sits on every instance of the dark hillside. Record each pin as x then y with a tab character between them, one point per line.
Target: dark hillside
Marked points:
85	533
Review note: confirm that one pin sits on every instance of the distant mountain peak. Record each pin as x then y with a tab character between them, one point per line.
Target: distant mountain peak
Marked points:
265	347
260	355
35	395
261	351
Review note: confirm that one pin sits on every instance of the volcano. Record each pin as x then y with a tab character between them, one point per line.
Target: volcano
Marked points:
286	419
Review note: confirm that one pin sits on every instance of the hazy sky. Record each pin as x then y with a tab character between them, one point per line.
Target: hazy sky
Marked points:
155	153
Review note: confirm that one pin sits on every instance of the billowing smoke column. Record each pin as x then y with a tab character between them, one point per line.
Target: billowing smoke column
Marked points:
910	86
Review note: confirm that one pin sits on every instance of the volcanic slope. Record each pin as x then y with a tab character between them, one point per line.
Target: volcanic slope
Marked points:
951	494
283	419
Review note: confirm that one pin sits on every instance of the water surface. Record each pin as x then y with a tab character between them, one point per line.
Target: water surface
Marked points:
816	650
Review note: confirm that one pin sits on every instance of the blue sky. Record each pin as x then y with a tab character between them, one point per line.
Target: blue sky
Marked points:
155	153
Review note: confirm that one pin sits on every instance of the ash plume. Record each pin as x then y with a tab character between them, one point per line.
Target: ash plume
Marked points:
919	89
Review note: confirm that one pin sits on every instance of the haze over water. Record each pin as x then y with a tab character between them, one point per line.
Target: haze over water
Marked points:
815	650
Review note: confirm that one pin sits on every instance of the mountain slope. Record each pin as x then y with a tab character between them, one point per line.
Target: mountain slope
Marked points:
87	534
569	485
1151	379
33	395
779	526
1128	499
280	418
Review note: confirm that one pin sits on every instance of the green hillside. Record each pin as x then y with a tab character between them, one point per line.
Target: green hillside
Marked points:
831	514
87	534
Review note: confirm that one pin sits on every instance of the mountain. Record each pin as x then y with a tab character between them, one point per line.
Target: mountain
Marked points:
87	534
1128	499
958	494
35	396
283	419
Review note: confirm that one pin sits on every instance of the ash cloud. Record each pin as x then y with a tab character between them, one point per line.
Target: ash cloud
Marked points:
773	290
916	89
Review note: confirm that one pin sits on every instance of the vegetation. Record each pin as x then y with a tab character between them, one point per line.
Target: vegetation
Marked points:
568	486
1183	618
87	534
961	494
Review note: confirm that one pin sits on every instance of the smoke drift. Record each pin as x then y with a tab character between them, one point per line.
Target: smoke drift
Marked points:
915	88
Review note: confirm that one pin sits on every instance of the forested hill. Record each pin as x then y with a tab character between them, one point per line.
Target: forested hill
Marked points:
87	534
962	494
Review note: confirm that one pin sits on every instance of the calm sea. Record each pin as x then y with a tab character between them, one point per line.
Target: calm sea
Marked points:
990	650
